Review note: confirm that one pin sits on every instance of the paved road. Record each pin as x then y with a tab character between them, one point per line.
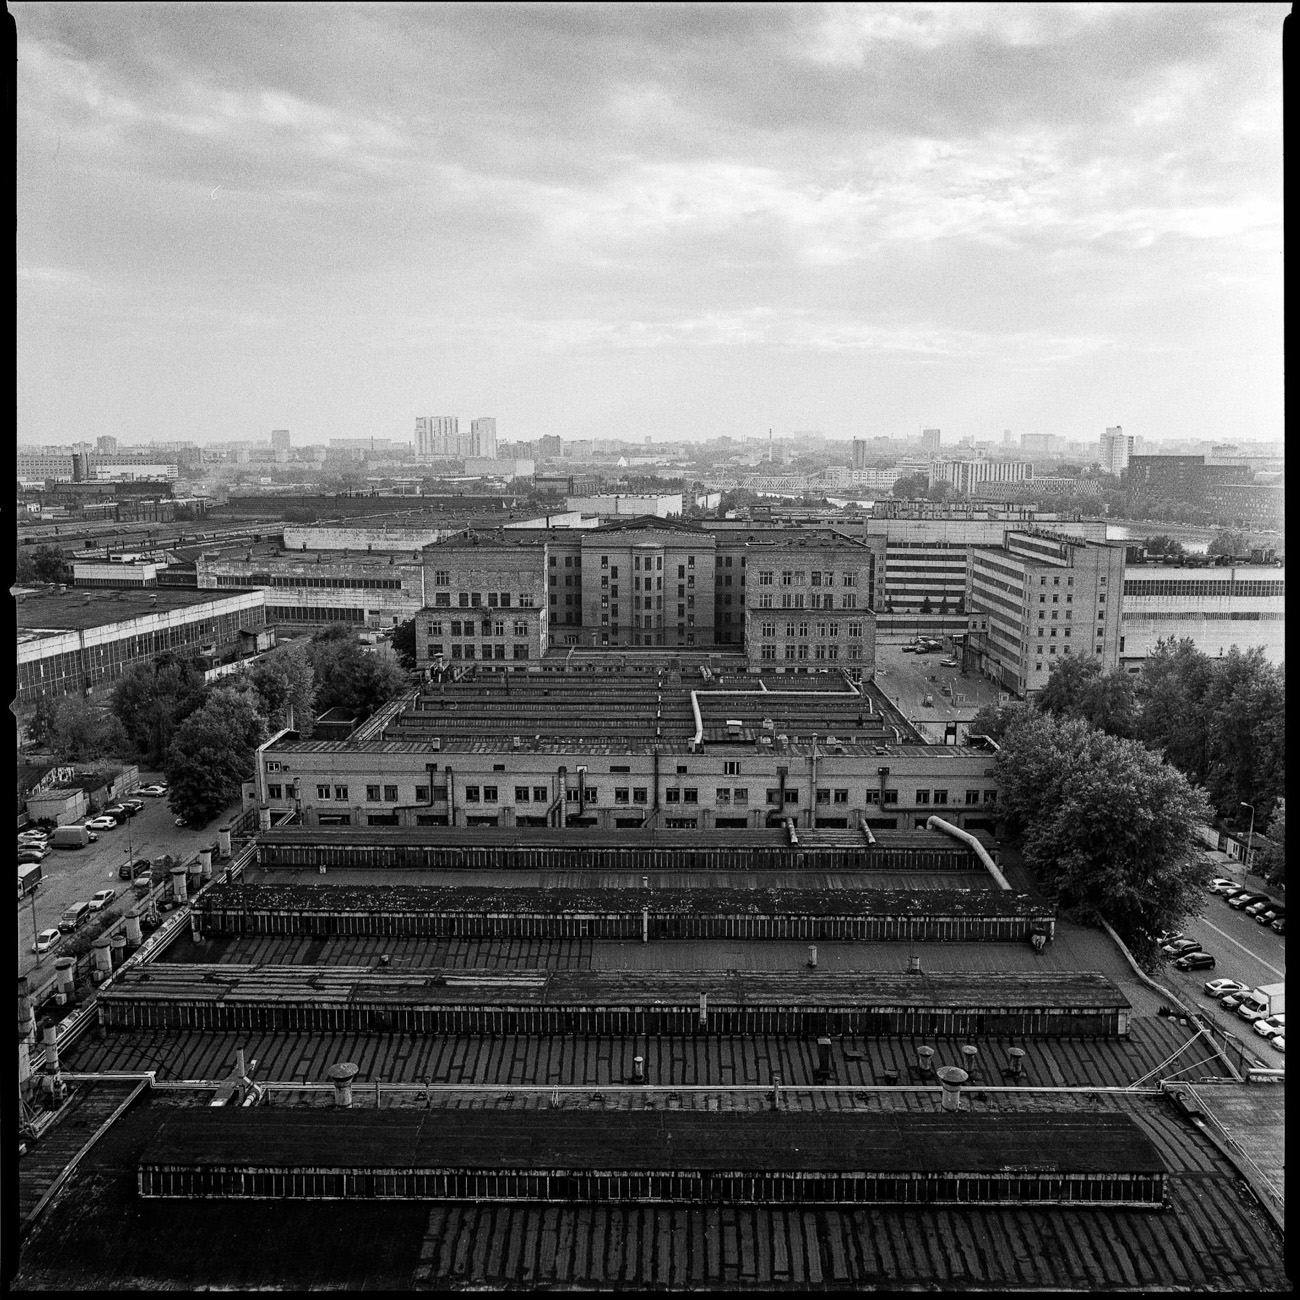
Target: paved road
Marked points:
74	875
1243	950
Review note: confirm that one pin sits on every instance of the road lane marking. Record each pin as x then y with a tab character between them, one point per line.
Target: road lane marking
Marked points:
1280	974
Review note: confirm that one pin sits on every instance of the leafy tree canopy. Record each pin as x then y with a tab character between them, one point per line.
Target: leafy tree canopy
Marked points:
404	644
151	700
1078	688
44	563
211	755
1163	544
1271	861
286	688
1106	823
1229	542
351	677
78	732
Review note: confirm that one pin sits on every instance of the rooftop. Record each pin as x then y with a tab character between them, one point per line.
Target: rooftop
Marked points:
50	611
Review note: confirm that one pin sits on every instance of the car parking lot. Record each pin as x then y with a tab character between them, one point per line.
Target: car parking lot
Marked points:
77	875
908	679
1245	953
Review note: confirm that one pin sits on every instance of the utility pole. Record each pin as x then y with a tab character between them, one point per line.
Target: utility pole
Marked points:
1250	841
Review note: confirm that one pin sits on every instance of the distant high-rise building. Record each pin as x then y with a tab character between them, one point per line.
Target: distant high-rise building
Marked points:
860	446
483	436
1007	440
279	439
106	445
930	441
1115	451
550	446
437	437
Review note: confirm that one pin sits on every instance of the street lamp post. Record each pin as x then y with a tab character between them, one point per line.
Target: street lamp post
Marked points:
1250	840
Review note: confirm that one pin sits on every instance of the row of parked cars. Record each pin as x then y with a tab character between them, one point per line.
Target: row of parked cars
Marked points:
1233	995
1252	902
73	918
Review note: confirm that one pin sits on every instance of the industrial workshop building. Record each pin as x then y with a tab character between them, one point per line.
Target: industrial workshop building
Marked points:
625	751
81	641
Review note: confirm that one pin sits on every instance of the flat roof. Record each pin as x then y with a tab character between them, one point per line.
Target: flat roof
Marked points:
77	608
894	1142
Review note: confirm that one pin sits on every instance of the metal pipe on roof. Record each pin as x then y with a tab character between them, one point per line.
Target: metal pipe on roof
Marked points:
938	824
699	719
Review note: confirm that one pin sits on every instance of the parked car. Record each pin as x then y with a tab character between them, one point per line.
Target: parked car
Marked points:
1195	961
947	663
135	805
129	870
119	812
1223	988
101	899
181	821
1233	1000
1270	914
1279	925
1268	1026
73	917
1278	1043
1222	885
1169	936
909	649
1250	1010
156	791
1179	947
102	823
1254	909
46	940
1245	898
32	853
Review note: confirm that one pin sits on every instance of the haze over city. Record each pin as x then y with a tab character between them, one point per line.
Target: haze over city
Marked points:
649	222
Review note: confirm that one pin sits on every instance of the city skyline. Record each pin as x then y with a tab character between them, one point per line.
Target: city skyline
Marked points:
668	222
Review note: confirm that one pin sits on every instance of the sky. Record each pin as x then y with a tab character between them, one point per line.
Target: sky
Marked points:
662	221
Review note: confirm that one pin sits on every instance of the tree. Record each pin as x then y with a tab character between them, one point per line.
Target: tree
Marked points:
994	720
404	644
350	677
1228	542
286	688
1078	688
43	563
1245	726
910	485
1271	861
151	700
212	755
78	732
1105	823
1171	696
1163	544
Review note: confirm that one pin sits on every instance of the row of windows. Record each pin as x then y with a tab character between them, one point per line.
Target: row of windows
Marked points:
797	577
769	628
485	651
1201	587
294	580
816	600
802	651
480	599
723	796
488	627
313	614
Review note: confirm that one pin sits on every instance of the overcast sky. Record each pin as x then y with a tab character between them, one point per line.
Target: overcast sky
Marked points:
653	221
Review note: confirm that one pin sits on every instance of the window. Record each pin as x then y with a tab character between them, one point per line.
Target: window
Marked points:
972	796
792	796
823	796
740	795
471	794
442	578
273	792
640	794
990	796
521	794
621	794
681	769
941	796
672	795
891	796
922	796
855	629
731	768
690	795
421	794
722	795
442	599
372	793
765	577
841	796
541	794
774	797
341	792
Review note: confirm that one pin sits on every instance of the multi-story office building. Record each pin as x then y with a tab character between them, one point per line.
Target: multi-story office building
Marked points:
1040	444
1115	450
106	445
280	440
930	439
1217	606
1037	597
968	475
438	437
928	546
